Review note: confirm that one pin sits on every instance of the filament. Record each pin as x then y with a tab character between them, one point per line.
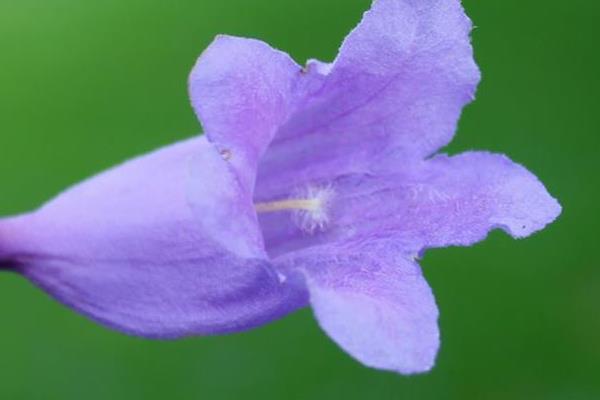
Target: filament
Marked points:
289	204
310	208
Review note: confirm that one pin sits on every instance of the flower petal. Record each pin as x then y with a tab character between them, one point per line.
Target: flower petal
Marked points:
410	67
443	201
456	201
125	249
240	89
399	84
223	207
375	304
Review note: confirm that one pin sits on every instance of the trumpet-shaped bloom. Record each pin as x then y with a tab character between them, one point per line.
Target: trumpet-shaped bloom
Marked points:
315	185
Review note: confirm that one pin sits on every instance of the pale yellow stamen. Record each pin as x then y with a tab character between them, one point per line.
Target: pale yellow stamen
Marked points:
289	204
309	208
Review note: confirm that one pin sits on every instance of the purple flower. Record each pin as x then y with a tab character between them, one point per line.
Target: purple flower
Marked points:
312	186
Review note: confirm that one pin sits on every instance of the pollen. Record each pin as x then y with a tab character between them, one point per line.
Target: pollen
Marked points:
310	208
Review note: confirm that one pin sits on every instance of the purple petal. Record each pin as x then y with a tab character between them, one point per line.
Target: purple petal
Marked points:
375	304
240	89
398	85
125	249
223	208
411	62
450	201
439	202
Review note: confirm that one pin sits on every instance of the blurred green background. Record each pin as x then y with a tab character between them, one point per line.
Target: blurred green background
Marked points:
85	84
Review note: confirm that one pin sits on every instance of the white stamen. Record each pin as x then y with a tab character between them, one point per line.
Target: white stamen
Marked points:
310	208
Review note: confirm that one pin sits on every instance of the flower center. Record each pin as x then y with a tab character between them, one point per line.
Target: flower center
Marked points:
310	209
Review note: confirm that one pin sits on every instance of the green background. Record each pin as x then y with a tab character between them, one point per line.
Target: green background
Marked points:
86	84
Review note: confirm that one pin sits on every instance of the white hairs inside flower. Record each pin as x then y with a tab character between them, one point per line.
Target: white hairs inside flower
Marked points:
316	218
310	207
